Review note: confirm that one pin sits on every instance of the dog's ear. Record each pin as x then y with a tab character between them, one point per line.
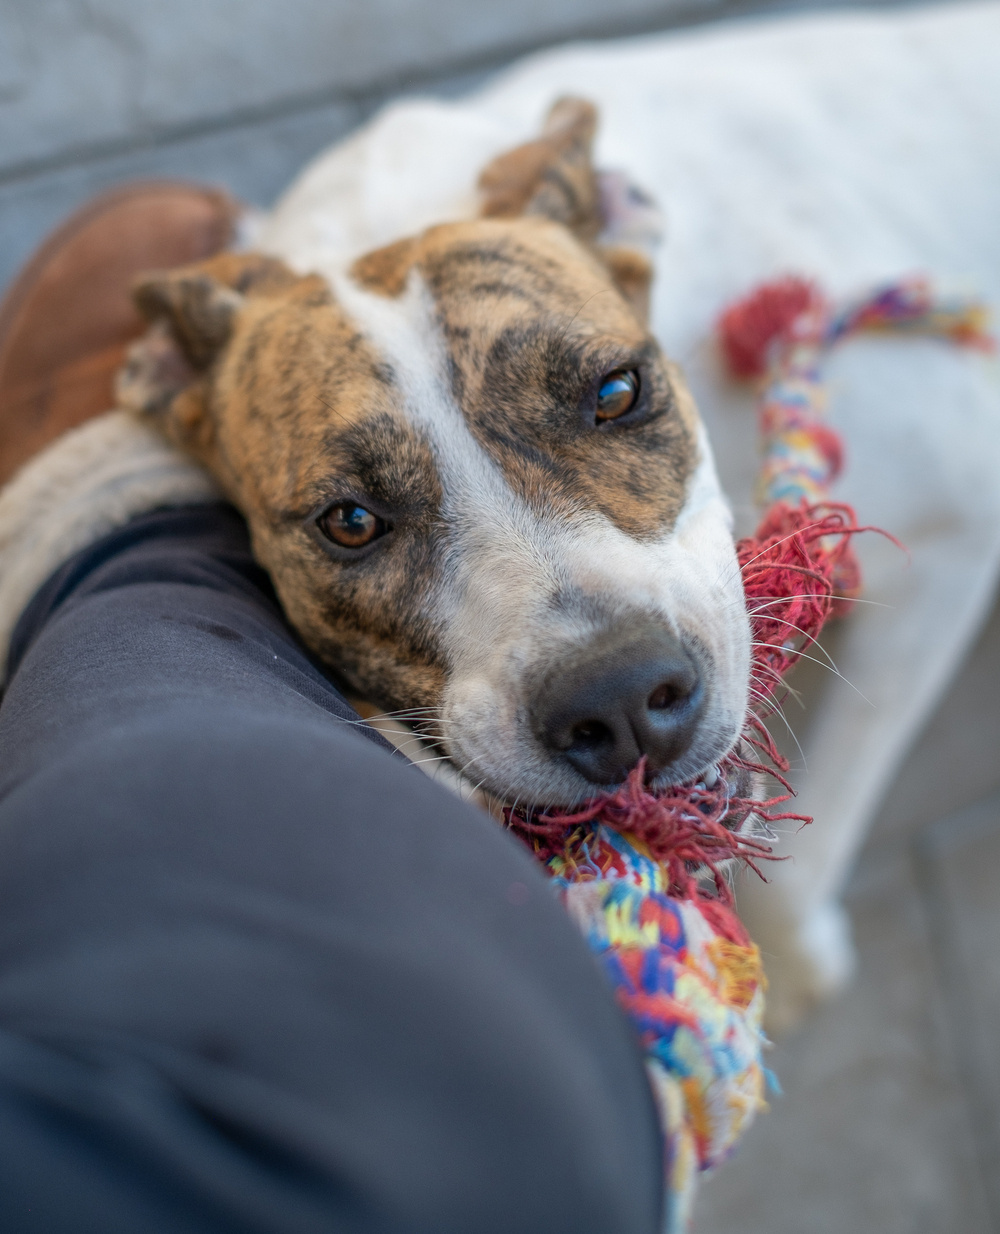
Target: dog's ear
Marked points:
192	312
632	273
197	309
552	176
386	270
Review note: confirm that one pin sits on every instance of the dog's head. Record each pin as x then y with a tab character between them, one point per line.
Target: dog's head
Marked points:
479	487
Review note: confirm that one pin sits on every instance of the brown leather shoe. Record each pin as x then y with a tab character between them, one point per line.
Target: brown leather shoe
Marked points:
68	318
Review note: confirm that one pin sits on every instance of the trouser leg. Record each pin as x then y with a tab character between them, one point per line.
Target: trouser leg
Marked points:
256	972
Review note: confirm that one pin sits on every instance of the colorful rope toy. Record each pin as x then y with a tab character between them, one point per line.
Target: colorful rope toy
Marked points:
644	873
781	334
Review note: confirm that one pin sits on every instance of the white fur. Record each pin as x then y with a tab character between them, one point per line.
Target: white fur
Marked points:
87	483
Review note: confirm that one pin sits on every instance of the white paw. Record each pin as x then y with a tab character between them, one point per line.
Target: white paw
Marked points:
808	957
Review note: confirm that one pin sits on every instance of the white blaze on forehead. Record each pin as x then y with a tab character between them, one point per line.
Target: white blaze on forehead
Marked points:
496	534
507	560
405	332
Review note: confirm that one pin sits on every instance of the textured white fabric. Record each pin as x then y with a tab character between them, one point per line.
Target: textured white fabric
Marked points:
854	147
84	485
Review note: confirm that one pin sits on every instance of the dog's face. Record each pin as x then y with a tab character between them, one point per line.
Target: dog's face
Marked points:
479	487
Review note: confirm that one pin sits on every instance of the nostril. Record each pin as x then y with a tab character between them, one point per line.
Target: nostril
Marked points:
591	733
639	694
665	696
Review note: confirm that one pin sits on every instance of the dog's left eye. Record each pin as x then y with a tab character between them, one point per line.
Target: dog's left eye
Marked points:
618	394
350	525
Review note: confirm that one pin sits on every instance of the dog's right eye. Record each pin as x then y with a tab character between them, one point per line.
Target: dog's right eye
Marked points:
618	394
351	525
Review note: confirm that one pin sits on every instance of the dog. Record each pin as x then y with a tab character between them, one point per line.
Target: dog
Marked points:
768	151
484	495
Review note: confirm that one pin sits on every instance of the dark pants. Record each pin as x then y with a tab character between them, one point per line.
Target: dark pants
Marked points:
257	973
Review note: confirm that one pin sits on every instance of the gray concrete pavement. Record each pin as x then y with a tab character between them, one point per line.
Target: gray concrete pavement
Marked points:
243	92
81	73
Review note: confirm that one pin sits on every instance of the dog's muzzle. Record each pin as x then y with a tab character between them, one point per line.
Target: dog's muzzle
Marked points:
628	694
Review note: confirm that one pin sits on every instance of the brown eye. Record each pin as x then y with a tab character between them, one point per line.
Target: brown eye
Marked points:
351	526
618	394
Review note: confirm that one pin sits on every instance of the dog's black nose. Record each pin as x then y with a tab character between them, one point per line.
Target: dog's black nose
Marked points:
626	695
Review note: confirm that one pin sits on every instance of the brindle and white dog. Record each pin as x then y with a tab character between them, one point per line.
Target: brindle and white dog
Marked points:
431	390
483	493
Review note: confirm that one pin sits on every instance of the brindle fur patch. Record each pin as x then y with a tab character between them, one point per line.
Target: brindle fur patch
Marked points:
532	324
318	421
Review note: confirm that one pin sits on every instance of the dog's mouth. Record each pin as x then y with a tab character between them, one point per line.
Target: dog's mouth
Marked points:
728	783
727	789
695	832
733	779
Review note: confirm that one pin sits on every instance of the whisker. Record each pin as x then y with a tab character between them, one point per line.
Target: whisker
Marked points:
807	596
828	664
779	681
421	713
784	539
775	709
437	758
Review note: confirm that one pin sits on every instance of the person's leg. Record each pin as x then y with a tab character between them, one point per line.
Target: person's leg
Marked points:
256	972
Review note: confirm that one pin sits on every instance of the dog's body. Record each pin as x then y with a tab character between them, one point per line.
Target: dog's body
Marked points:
375	349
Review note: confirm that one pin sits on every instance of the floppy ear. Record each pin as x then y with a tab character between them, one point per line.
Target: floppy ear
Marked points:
552	176
386	270
197	309
192	312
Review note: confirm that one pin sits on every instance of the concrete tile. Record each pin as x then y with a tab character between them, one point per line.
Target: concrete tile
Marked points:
959	859
255	161
872	1132
84	72
96	91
